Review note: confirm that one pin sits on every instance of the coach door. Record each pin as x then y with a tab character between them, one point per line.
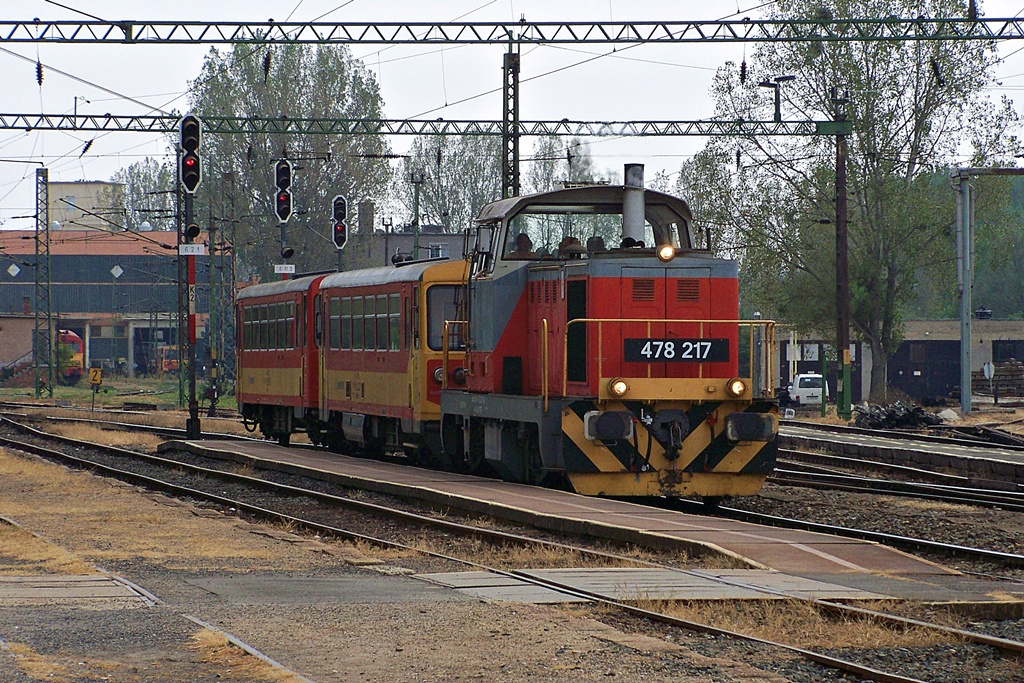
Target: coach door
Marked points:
300	344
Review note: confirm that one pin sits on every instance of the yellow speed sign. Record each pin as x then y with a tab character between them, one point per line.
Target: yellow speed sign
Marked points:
95	375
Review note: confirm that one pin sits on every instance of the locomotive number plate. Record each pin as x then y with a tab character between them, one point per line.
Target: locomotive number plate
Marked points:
677	350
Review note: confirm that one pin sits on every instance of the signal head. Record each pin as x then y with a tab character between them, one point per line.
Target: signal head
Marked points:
191	231
283	174
191	171
191	130
287	252
283	205
339	208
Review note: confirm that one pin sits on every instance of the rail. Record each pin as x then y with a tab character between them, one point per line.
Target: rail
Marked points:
763	367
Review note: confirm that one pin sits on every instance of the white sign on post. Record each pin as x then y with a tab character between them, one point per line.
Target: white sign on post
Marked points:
281	268
192	249
989	370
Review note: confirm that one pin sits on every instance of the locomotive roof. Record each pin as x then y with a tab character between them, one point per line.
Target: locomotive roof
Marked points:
661	208
377	276
299	284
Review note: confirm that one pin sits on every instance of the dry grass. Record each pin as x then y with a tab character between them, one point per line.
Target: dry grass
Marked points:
799	624
233	663
514	557
107	437
100	521
21	553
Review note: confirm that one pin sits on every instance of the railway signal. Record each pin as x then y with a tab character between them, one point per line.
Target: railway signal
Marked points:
190	163
339	208
283	182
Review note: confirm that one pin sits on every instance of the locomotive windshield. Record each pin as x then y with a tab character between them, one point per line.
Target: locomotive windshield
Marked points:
575	231
444	303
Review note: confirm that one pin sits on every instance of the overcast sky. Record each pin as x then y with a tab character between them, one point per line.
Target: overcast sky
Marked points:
641	83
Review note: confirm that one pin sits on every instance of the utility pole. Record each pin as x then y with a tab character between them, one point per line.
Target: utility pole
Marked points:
42	340
843	393
416	179
961	181
510	123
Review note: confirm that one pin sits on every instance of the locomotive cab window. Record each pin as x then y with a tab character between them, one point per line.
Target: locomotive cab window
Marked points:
577	231
443	304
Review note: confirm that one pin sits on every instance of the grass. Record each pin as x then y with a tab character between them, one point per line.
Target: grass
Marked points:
233	663
101	522
107	437
800	624
21	553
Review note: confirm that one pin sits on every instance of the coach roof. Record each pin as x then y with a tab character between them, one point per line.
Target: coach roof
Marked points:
378	276
299	284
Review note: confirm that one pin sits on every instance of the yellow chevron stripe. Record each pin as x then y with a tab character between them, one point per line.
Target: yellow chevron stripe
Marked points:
739	456
603	459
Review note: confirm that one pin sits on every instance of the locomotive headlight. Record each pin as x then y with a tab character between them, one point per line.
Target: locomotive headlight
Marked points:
736	387
439	375
666	252
618	387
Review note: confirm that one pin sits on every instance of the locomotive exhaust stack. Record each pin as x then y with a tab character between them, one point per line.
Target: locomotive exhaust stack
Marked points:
633	208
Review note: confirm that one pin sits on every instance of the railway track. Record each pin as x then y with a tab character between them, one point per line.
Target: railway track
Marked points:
980	438
83	455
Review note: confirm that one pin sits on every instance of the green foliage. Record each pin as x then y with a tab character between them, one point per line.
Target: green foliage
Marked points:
146	191
461	174
238	185
906	101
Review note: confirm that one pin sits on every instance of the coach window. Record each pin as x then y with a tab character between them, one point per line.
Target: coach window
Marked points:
357	323
370	326
441	307
335	323
246	328
282	325
289	324
382	322
346	323
272	327
264	328
395	322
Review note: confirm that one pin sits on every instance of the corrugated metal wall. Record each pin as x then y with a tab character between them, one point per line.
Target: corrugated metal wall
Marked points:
85	284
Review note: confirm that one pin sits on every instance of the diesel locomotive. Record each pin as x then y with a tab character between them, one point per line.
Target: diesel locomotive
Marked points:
585	339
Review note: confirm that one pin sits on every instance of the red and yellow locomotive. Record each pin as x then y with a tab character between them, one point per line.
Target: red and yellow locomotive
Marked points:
584	339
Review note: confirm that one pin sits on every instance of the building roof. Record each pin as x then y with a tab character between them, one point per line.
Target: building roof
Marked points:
90	243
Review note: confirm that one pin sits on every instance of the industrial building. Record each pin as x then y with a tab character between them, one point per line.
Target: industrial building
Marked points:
116	290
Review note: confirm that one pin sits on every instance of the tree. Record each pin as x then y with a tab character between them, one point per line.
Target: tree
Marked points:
147	194
238	186
460	175
905	101
555	161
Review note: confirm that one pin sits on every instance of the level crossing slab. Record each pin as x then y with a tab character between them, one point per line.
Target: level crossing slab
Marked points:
85	588
638	584
762	547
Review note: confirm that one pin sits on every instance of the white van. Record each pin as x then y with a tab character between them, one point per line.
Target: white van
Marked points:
806	389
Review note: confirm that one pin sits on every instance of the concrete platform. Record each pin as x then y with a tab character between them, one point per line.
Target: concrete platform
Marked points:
794	552
978	462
